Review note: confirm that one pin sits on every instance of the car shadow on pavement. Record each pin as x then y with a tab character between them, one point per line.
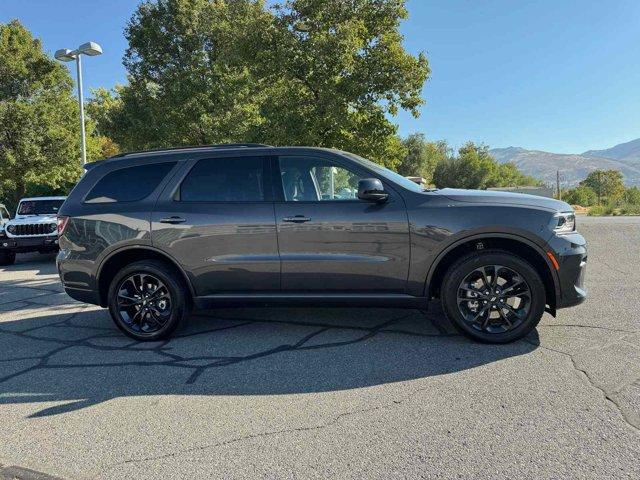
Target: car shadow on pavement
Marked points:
77	358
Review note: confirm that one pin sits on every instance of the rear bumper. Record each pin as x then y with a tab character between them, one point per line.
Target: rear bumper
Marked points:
29	244
572	259
82	295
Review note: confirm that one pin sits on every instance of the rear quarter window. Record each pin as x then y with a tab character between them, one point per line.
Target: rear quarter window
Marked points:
129	184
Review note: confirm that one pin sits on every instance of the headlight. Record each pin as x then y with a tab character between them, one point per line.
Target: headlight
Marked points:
564	222
11	229
53	228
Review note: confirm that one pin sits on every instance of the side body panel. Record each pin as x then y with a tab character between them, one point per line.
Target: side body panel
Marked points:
222	246
438	224
343	246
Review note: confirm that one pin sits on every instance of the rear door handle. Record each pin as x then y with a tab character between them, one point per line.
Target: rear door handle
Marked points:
173	220
296	219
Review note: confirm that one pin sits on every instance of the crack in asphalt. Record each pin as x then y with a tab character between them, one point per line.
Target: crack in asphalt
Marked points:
333	421
630	420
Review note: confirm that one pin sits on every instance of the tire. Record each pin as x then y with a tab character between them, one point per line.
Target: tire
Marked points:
511	309
7	258
155	316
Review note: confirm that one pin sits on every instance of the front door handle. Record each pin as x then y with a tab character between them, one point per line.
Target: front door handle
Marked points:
296	219
173	220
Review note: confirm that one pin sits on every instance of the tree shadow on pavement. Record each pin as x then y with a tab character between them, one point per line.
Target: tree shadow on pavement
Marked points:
79	358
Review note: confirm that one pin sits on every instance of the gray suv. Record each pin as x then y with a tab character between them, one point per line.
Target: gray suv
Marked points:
151	235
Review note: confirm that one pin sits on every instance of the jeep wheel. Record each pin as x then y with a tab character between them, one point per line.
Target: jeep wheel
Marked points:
493	296
7	258
148	300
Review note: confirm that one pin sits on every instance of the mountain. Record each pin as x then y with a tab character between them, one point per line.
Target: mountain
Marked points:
628	152
574	167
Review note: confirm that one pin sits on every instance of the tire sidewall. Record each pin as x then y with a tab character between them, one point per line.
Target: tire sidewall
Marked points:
179	307
460	270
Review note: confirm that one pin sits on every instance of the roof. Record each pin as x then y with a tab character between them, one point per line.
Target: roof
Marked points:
198	148
41	198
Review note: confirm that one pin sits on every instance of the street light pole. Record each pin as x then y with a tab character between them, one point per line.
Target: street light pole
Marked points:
83	139
65	55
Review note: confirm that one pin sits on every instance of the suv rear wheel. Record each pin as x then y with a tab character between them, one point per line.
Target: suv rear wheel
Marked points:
493	296
147	300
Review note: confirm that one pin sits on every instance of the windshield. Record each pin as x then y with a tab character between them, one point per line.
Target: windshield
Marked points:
386	173
39	207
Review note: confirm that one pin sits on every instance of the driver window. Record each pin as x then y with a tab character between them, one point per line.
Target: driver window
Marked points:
307	179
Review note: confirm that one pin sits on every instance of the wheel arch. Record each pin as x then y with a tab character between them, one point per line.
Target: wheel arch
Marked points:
515	244
121	257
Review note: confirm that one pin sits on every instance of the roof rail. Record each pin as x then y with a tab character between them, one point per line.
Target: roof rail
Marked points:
190	147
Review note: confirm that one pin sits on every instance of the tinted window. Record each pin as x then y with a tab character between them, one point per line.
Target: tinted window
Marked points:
39	207
306	179
224	180
129	184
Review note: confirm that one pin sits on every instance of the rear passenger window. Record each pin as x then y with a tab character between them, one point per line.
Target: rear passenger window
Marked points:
225	180
129	184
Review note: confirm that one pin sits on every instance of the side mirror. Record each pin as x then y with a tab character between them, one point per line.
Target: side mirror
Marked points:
371	190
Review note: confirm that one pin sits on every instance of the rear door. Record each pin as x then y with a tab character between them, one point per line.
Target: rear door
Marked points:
332	241
217	220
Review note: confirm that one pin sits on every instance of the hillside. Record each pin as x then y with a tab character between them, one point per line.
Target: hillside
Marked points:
628	152
574	167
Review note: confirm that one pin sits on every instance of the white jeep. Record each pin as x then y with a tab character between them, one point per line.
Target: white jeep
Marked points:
33	229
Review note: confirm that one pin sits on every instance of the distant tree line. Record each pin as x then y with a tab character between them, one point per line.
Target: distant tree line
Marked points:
472	166
604	190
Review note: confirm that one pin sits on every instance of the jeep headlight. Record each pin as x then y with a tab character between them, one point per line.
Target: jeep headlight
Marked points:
11	229
53	227
564	222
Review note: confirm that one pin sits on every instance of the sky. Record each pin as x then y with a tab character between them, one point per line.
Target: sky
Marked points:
559	76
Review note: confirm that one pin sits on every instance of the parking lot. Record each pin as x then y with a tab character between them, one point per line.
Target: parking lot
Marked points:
316	393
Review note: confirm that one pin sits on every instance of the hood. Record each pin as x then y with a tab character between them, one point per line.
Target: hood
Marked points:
31	219
504	198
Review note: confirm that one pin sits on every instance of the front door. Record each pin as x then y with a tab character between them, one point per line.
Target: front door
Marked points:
217	220
330	240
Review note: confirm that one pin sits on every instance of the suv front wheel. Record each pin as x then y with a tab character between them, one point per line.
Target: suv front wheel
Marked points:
147	300
493	296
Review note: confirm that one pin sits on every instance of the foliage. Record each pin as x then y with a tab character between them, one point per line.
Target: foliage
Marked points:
474	167
581	195
308	72
607	184
422	156
614	210
632	196
598	211
39	147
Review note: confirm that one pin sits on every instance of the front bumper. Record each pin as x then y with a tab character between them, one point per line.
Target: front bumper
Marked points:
571	253
29	244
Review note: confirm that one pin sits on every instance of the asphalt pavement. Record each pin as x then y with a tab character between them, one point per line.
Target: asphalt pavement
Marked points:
317	393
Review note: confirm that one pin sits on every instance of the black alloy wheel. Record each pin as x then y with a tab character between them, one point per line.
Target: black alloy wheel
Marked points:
494	299
493	296
148	300
144	303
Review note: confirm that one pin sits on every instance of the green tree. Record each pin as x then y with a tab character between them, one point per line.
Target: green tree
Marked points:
338	70
39	147
189	77
607	184
508	175
422	156
581	195
308	72
472	168
632	196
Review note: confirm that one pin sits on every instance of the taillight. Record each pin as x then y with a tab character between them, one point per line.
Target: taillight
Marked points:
62	224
